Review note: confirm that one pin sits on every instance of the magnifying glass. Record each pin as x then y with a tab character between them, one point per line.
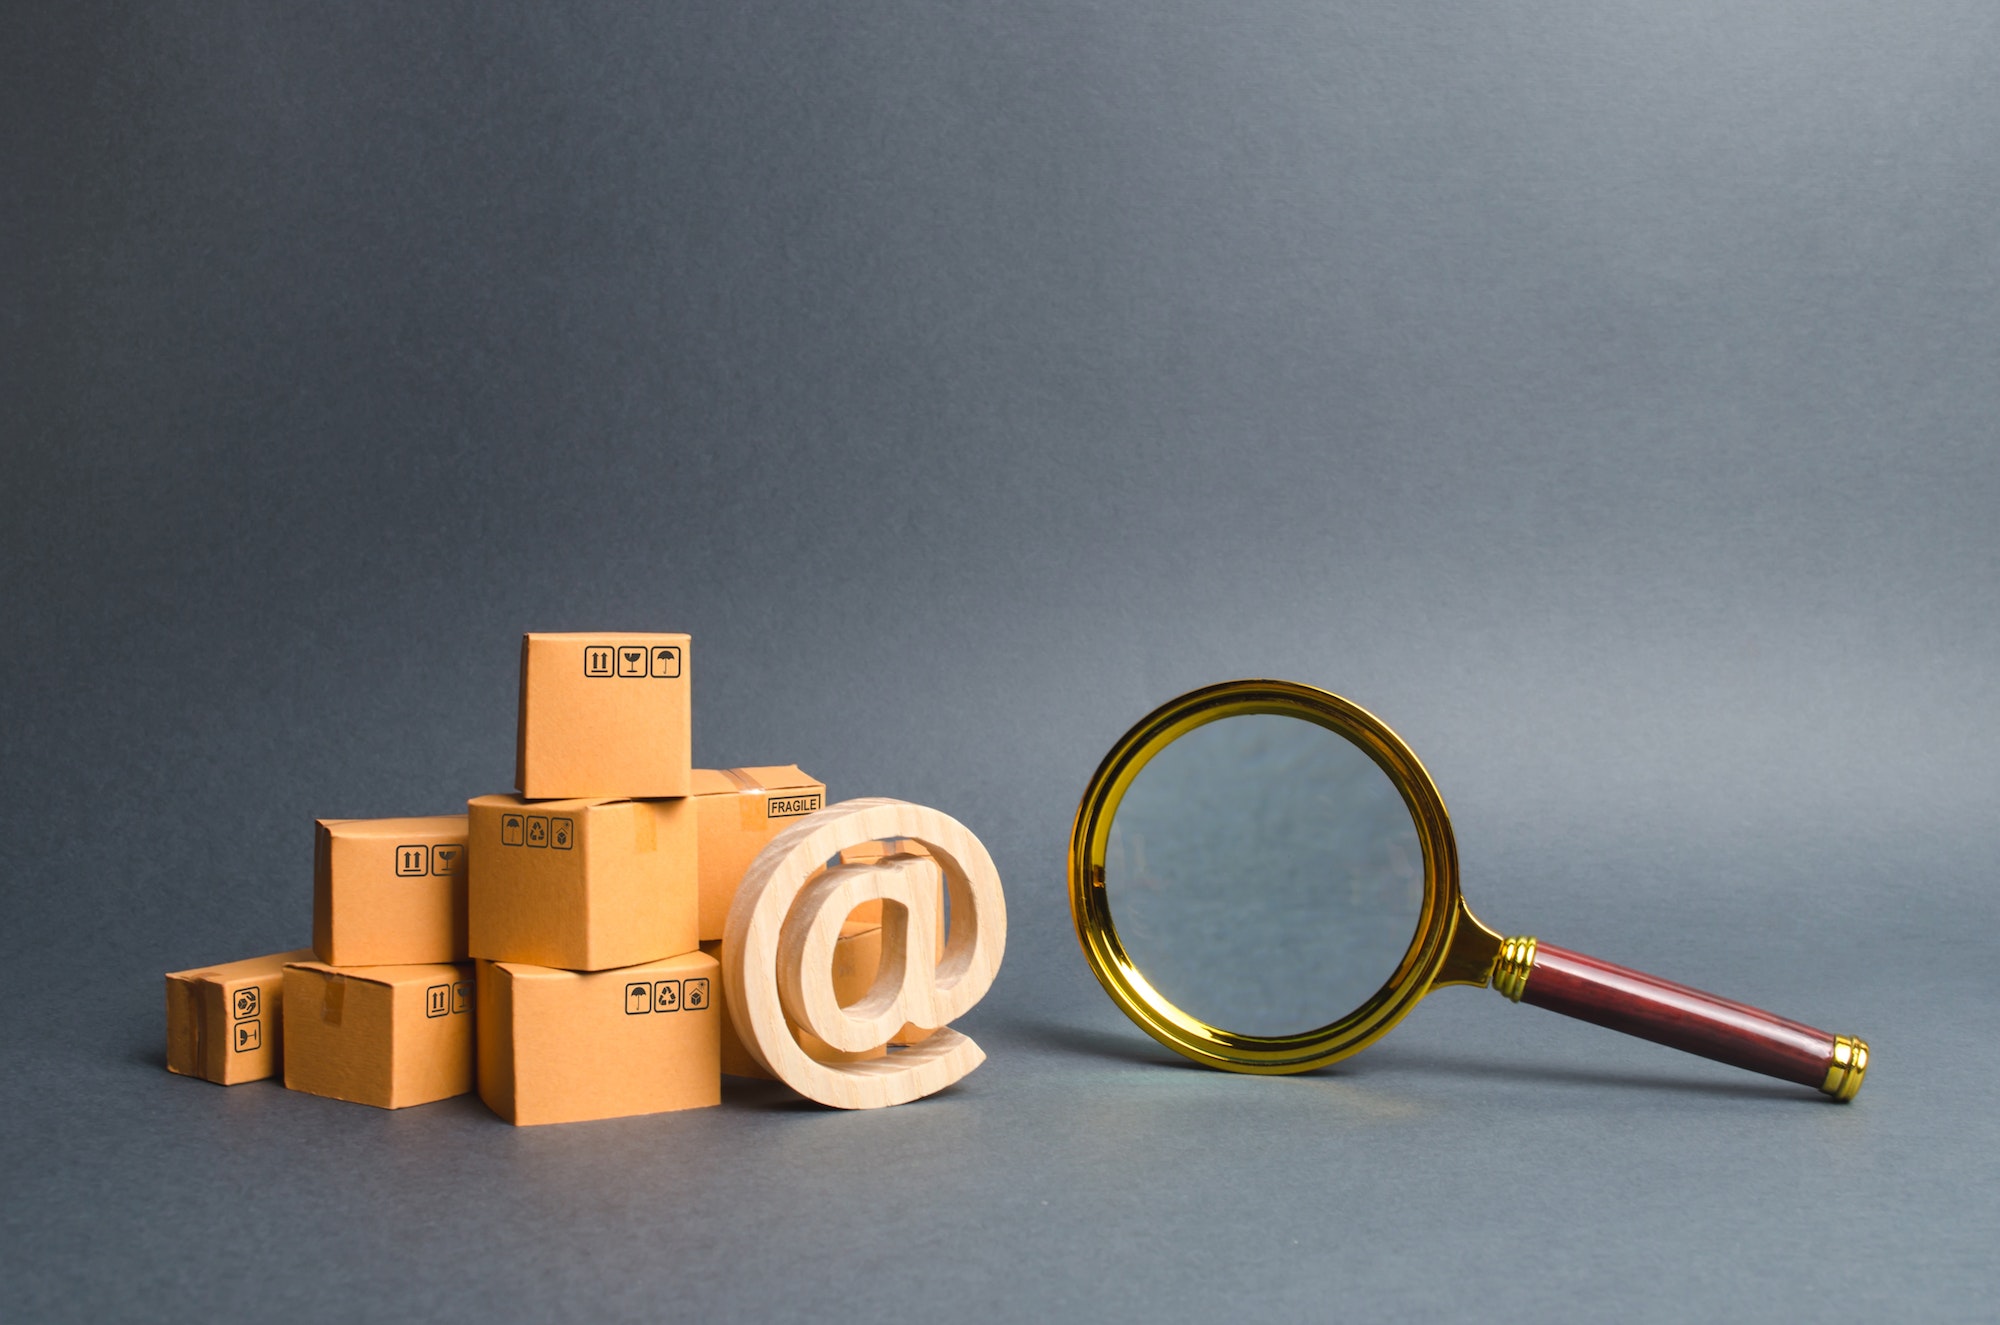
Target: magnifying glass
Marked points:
1263	877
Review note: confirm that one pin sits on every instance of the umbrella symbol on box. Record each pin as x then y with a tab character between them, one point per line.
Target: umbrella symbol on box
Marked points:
666	662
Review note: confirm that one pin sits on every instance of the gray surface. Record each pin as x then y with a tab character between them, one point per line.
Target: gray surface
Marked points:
1602	394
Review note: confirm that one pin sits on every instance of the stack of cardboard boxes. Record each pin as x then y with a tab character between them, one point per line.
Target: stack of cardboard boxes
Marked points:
556	948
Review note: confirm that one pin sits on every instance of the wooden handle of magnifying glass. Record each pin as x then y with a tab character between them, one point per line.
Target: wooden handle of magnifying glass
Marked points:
1577	986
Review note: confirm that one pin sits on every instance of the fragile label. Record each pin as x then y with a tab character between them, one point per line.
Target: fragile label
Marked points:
545	832
648	996
632	661
757	811
448	1000
418	859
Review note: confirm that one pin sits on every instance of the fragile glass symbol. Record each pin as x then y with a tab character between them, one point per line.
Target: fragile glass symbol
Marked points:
635	661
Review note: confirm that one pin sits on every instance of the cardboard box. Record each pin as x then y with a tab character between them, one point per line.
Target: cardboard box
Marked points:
603	715
581	885
738	810
389	892
857	955
391	1036
224	1022
736	1060
565	1046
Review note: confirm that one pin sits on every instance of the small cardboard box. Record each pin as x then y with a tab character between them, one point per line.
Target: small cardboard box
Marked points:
603	715
736	1060
737	811
224	1023
581	885
857	955
391	1036
389	892
565	1046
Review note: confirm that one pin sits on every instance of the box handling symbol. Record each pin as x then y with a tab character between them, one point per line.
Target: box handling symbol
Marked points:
249	1035
638	997
412	861
437	1001
461	996
597	660
246	1003
666	661
538	830
632	662
444	857
695	998
667	996
562	833
510	830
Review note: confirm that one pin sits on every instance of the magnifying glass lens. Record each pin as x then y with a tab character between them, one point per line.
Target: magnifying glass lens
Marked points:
1265	874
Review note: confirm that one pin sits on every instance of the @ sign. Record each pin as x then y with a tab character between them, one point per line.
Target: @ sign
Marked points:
777	952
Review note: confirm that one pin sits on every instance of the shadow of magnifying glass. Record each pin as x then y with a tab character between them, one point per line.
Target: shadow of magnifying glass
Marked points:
1263	877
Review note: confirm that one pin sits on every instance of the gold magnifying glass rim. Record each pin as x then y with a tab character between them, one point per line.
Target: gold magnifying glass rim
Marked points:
1421	965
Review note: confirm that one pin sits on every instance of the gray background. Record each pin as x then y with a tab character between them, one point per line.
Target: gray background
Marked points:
1602	393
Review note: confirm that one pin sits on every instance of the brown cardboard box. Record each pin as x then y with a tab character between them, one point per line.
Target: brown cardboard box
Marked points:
391	1036
565	1046
736	1060
224	1023
603	715
388	892
857	955
582	885
738	810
